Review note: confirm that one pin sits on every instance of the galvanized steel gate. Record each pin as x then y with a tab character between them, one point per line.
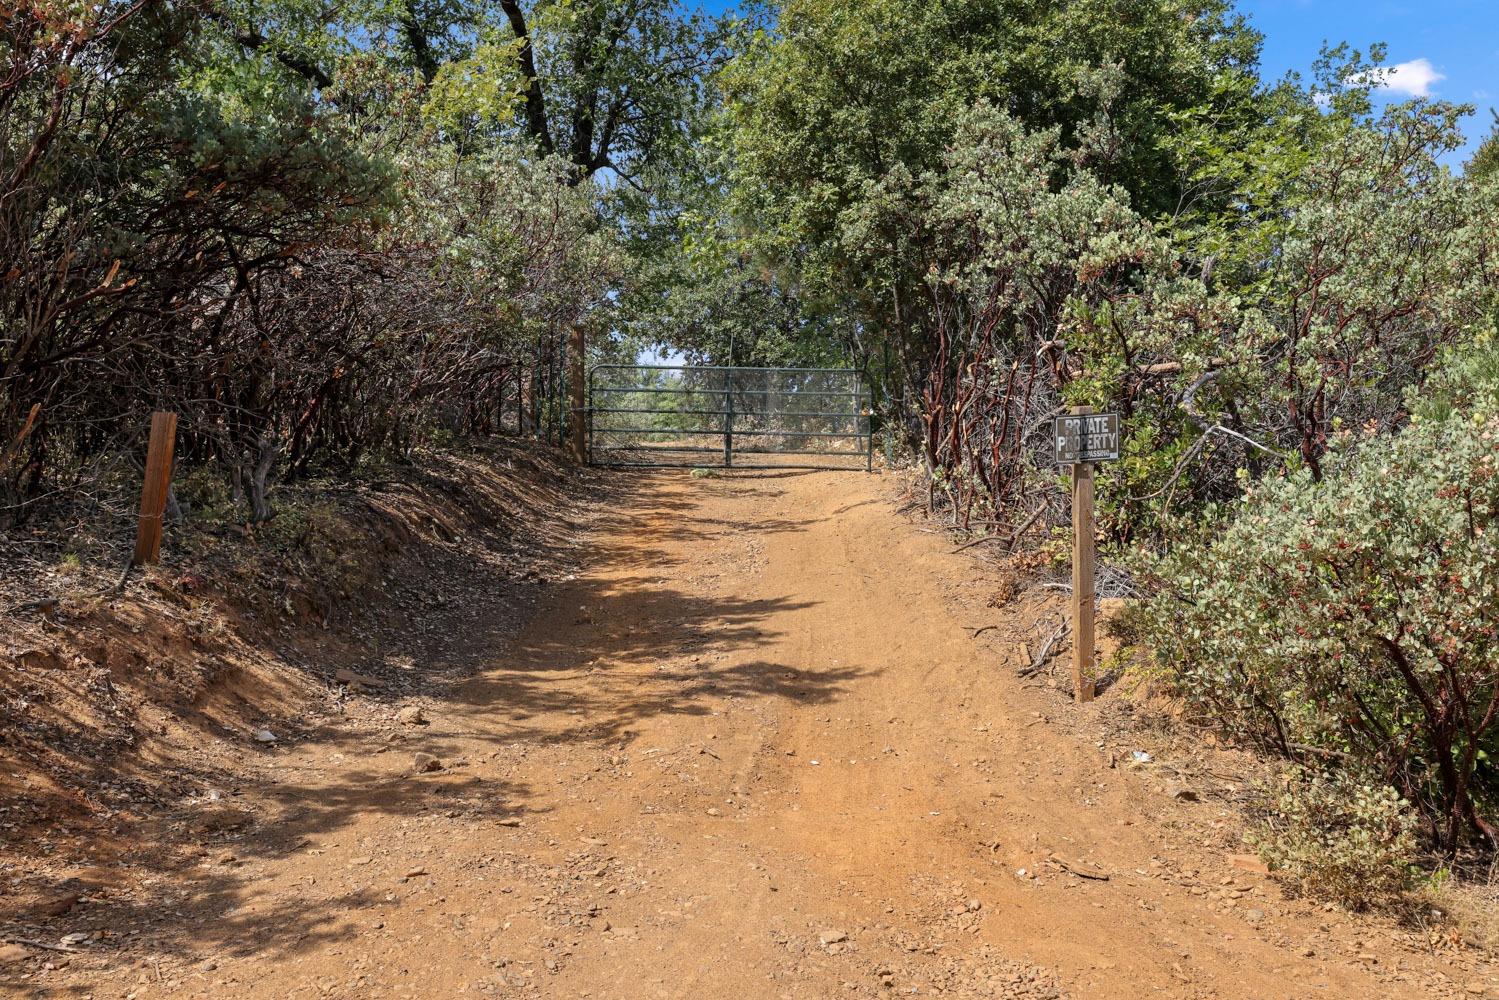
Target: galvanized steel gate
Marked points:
648	416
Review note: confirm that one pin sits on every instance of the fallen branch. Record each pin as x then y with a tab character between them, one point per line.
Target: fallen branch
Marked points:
50	605
1012	537
44	946
1039	660
1078	870
980	541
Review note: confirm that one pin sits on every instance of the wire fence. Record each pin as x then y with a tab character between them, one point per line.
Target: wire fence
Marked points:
695	416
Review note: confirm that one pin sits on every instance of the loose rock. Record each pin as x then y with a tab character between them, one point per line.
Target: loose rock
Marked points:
344	676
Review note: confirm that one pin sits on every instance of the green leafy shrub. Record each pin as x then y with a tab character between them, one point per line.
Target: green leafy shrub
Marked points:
1332	834
1355	618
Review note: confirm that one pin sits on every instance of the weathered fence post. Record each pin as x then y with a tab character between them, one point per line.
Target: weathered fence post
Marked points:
158	481
1082	575
728	418
577	432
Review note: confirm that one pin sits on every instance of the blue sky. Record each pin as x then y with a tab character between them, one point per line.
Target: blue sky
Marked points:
1443	48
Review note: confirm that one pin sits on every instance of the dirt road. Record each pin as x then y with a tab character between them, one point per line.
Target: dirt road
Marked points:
750	751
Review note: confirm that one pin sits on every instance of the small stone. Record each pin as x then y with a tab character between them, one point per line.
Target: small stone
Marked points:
974	905
1254	915
425	763
208	965
416	872
265	736
73	939
832	937
714	812
411	715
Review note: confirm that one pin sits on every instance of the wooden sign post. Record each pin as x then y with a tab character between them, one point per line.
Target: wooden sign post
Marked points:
1084	438
1083	636
154	490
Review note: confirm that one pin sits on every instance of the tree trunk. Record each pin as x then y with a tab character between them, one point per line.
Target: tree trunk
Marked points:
260	507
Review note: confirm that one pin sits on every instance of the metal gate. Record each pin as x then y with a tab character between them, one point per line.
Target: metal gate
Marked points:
650	416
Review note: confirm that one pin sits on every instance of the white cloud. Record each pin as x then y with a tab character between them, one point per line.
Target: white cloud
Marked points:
1413	79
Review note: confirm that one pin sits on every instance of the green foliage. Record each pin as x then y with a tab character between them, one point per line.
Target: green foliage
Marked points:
284	234
1467	380
1337	836
484	90
1357	615
1484	166
844	103
1047	289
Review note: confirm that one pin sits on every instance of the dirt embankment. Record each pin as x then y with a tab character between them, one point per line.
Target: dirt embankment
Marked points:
761	738
133	725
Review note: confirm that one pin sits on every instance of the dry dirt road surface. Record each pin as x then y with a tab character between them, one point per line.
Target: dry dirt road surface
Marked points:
751	751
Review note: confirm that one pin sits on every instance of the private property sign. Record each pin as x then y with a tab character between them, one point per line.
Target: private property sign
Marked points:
1091	437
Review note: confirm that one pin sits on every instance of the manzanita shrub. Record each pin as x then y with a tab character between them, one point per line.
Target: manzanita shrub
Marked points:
1338	834
1354	619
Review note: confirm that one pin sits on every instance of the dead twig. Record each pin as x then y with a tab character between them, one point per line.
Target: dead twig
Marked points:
1039	659
44	946
1012	537
51	605
1079	870
980	541
14	448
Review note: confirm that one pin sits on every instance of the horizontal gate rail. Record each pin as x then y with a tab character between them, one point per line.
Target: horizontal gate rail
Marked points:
739	432
737	392
633	419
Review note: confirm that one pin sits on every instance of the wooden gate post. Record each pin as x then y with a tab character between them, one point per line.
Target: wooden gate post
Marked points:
577	393
728	418
1082	575
154	489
